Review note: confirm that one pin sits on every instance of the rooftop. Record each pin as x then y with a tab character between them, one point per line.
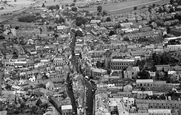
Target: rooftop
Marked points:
65	107
144	81
122	60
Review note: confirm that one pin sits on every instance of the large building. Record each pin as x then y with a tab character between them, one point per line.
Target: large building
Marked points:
119	64
159	104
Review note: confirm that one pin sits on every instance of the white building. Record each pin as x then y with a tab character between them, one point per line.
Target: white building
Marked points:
118	64
159	111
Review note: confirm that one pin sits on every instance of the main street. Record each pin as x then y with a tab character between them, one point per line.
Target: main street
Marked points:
90	85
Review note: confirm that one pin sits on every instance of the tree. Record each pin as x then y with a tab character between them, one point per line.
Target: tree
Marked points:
60	20
80	21
79	33
99	9
43	5
144	74
15	55
75	1
135	8
108	19
111	33
57	7
104	13
2	37
142	89
171	1
74	9
98	64
73	4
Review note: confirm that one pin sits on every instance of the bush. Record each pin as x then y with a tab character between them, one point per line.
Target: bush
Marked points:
80	21
29	18
135	8
43	5
53	7
60	20
74	9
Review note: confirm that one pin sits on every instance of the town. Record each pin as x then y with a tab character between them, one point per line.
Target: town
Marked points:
77	57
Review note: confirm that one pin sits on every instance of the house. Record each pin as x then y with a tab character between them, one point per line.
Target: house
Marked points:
142	94
66	109
95	21
131	72
160	105
158	111
96	72
49	85
162	67
174	75
116	74
144	82
127	88
51	111
176	68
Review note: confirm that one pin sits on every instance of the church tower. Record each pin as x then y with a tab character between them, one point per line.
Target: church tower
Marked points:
107	59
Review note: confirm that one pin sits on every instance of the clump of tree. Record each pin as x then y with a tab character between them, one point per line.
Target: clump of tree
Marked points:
79	33
99	9
165	58
143	74
74	9
56	7
28	18
60	20
80	21
43	5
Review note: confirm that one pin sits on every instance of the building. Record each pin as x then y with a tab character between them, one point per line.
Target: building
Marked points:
66	109
119	64
160	104
131	72
116	74
96	72
101	103
107	59
97	55
162	67
117	106
160	111
141	94
51	111
151	85
49	85
120	94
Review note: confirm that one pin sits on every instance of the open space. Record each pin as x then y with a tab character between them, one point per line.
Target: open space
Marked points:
124	5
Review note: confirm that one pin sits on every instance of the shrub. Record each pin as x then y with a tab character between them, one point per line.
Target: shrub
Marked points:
28	18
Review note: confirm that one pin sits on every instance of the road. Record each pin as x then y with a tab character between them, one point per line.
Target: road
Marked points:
90	93
91	86
71	94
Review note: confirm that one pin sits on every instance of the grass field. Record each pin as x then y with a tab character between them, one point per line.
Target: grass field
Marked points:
124	5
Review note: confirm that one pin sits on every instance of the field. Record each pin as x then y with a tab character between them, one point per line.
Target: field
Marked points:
20	5
117	7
